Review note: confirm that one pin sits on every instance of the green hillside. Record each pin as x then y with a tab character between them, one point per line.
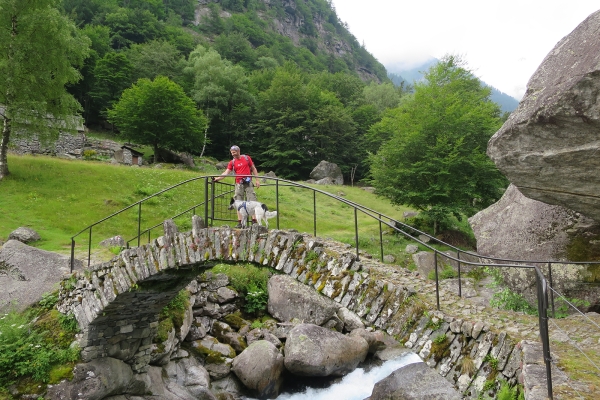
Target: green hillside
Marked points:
58	198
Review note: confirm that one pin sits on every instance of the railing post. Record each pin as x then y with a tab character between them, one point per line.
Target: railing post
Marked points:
72	253
552	291
437	285
277	200
315	212
139	223
206	200
356	231
148	235
459	283
542	295
380	238
90	248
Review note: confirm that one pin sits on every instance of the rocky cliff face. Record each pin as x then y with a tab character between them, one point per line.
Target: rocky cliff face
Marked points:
549	147
336	42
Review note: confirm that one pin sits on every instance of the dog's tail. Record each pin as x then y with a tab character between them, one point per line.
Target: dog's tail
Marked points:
270	214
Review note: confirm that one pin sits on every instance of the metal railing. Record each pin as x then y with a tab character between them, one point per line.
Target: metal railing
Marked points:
216	199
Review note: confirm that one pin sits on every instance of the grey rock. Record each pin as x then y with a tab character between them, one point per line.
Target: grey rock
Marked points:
224	334
411	248
219	371
326	169
549	145
269	174
26	273
113	242
325	181
260	368
262	334
377	340
24	235
161	354
223	295
189	374
388	258
311	350
229	387
414	382
95	380
351	320
523	229
289	299
520	228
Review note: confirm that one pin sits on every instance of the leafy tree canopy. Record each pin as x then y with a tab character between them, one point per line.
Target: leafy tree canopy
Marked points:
160	114
434	159
39	51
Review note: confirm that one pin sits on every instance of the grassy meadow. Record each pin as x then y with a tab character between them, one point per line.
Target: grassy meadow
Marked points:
59	198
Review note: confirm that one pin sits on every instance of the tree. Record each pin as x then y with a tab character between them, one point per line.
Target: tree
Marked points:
112	75
151	59
221	89
434	159
159	113
37	60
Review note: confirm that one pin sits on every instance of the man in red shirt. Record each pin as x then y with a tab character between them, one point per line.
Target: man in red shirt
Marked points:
242	165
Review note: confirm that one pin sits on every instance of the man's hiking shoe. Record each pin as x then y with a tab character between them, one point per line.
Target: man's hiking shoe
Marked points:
253	222
239	225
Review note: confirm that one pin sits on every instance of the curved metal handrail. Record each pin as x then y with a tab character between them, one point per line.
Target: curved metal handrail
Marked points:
394	224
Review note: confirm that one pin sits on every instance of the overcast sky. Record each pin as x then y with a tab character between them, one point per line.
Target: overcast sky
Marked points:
503	42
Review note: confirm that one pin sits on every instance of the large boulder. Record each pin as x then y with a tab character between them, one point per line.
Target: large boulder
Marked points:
549	145
326	169
289	299
520	228
26	273
260	368
311	350
415	382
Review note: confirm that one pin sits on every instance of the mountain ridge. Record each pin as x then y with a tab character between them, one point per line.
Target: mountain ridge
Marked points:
399	75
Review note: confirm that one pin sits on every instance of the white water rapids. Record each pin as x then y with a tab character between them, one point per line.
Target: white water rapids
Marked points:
357	385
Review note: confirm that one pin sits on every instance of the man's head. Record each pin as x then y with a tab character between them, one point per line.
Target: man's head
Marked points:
235	151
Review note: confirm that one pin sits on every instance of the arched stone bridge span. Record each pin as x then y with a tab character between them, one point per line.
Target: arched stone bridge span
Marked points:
117	303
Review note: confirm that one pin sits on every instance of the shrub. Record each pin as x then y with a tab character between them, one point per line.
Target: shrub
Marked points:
447	272
256	300
31	350
506	299
89	154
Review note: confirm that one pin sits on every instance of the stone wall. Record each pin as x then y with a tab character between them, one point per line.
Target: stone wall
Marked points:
66	144
117	303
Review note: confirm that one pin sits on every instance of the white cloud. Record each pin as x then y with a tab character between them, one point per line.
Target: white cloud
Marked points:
503	42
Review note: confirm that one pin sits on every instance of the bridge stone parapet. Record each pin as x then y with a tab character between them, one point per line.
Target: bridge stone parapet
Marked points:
117	303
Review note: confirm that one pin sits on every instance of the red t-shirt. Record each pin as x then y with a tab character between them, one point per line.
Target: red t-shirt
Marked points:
241	166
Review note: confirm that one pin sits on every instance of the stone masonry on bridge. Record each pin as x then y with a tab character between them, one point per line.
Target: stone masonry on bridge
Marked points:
117	303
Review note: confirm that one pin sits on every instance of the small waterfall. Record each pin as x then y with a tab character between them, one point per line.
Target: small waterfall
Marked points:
357	385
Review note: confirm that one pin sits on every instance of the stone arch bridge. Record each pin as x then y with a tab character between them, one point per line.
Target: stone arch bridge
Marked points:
117	303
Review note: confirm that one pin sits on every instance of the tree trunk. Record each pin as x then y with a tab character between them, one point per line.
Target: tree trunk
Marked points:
155	153
4	147
205	134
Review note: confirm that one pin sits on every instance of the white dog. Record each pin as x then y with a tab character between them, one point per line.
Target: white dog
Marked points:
258	209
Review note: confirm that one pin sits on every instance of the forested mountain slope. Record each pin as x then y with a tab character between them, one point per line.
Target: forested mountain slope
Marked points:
284	79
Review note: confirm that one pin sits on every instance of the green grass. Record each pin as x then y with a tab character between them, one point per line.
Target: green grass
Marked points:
59	198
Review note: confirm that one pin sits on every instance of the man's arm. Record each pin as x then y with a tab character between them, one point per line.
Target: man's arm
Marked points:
255	173
223	175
